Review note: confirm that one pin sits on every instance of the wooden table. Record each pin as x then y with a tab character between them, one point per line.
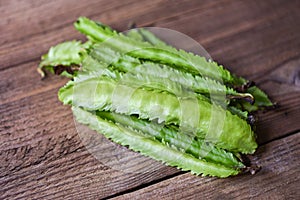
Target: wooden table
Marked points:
42	156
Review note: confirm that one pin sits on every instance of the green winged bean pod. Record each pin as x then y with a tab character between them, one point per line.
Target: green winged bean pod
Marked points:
142	93
150	147
171	136
166	55
100	94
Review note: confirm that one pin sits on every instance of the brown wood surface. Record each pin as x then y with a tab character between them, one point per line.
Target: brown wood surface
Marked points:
276	180
42	156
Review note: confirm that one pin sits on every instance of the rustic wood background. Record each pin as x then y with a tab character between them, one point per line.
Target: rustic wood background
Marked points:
42	156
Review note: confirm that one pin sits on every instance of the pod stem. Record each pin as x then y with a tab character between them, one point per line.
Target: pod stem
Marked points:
245	96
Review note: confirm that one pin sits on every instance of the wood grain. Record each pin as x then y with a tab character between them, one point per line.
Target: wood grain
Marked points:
38	19
29	44
42	155
278	179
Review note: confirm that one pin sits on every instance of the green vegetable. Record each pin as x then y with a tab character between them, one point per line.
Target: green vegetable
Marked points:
135	34
165	82
64	54
150	37
103	93
166	55
150	147
149	70
261	99
174	138
171	105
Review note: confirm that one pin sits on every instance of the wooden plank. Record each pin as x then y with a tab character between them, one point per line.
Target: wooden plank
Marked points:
45	136
19	47
41	15
35	46
7	7
258	42
23	81
39	19
42	153
278	179
42	118
283	86
224	18
43	156
32	42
